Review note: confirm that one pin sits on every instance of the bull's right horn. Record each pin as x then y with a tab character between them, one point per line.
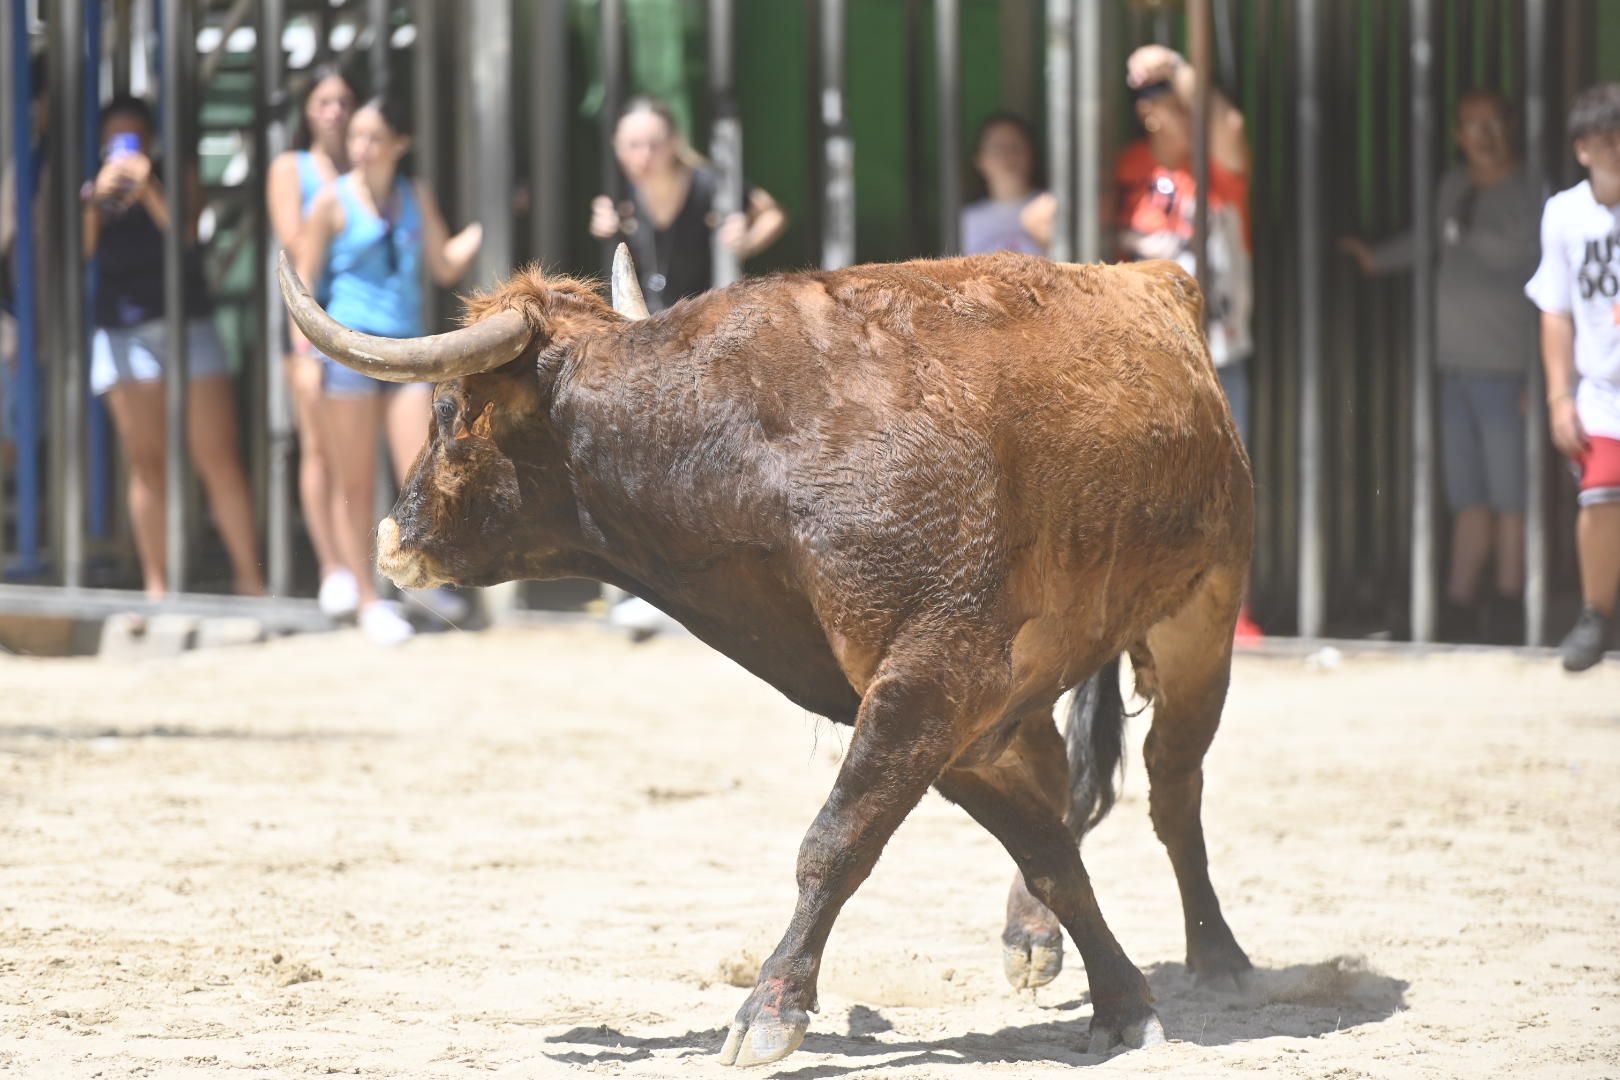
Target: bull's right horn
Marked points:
484	346
627	298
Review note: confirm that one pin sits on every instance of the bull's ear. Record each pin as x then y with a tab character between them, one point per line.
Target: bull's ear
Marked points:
627	298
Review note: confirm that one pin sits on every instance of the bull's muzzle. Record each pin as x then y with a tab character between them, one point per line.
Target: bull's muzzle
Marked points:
406	569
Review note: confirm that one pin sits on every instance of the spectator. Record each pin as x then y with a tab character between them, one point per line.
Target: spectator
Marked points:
319	155
1486	208
1577	288
369	233
125	217
1004	157
1157	197
669	215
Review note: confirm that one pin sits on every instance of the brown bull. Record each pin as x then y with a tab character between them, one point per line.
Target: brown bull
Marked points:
923	499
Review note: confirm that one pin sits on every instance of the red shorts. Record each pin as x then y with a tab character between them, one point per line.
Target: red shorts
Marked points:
1599	471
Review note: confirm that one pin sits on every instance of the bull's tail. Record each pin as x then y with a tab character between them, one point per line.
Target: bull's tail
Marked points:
1095	739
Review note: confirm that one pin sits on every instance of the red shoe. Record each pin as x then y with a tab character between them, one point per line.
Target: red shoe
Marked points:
1247	631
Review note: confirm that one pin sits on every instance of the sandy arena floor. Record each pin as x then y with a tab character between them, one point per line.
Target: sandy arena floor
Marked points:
540	853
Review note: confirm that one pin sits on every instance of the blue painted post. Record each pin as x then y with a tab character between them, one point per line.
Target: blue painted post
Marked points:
27	562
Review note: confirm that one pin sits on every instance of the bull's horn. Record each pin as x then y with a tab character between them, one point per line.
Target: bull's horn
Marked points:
483	346
627	298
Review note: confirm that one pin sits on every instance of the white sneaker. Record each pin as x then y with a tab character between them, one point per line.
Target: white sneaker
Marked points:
640	618
339	595
446	604
382	624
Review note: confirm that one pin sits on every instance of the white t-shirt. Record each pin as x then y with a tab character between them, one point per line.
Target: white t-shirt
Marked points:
1579	276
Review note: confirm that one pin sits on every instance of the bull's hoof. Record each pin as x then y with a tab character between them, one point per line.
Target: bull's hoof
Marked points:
1032	941
1029	962
1138	1035
1220	964
764	1039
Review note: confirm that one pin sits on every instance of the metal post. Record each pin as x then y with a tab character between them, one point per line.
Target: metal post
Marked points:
490	48
270	109
1199	35
175	105
837	148
610	31
1535	502
725	137
377	54
8	115
948	103
1312	464
1425	602
548	134
98	423
1091	176
67	167
490	45
1060	123
122	39
426	85
612	68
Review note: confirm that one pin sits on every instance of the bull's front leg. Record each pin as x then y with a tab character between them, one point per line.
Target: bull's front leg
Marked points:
902	742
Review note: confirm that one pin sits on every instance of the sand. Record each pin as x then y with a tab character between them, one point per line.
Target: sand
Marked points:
550	852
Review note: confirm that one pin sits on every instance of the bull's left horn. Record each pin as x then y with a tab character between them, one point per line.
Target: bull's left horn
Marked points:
627	298
483	346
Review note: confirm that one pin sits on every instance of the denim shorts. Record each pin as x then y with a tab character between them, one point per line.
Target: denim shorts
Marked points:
136	353
339	381
1482	441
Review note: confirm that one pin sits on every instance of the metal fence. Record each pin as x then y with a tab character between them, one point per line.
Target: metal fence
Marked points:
516	95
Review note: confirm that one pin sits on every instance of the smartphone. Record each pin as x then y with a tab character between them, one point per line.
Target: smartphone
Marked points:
122	144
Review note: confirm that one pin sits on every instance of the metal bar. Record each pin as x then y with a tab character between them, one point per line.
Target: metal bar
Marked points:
276	615
10	89
270	125
491	47
1060	124
377	54
1199	34
1312	444
1091	176
174	104
1536	541
948	103
66	40
235	19
725	136
548	133
98	423
1425	524
427	141
838	149
611	44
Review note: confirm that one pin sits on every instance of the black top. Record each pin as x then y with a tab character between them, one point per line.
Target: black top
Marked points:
129	263
676	262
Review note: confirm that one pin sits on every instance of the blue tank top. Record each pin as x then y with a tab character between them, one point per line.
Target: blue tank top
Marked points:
310	183
374	266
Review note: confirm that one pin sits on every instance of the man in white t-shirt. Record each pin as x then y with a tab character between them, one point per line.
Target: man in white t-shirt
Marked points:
1577	288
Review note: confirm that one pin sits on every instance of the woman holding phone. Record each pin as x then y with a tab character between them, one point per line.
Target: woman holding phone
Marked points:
125	217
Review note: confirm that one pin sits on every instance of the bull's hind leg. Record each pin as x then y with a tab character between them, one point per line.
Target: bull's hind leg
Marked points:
904	736
1032	941
1192	660
1013	799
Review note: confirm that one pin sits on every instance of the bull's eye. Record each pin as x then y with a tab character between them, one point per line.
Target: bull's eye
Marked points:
444	412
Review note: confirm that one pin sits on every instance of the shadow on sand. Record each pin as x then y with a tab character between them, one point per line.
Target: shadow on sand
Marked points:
1299	1001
